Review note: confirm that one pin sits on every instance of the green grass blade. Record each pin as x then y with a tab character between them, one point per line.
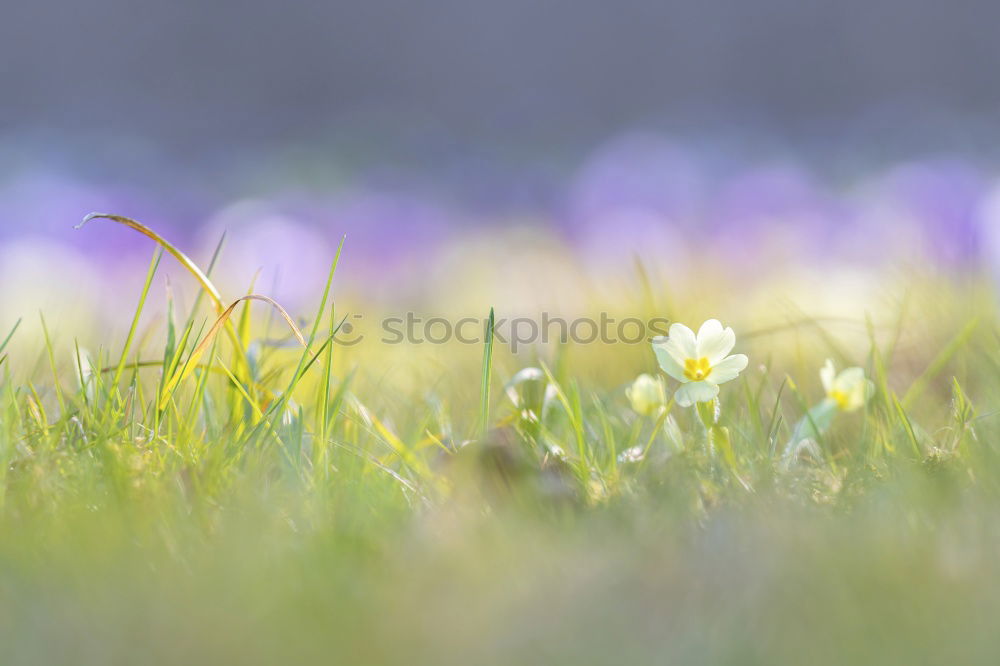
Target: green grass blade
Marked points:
487	376
153	264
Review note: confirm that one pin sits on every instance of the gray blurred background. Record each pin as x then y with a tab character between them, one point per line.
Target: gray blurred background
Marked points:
193	78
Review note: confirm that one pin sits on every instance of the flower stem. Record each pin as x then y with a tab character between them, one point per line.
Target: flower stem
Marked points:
717	438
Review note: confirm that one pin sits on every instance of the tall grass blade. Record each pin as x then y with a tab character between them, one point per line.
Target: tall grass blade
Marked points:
487	374
206	342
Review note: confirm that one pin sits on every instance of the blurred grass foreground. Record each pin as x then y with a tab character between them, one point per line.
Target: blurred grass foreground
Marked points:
219	477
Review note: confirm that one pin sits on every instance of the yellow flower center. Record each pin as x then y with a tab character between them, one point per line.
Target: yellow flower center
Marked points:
696	370
841	398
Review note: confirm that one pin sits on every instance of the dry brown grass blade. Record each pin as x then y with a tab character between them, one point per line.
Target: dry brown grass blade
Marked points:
206	342
184	260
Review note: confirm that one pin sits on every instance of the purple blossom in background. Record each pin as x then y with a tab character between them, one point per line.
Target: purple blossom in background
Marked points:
50	206
293	239
390	237
640	195
637	196
988	222
775	209
940	200
639	172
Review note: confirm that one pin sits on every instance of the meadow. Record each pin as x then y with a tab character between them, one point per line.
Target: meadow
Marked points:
234	477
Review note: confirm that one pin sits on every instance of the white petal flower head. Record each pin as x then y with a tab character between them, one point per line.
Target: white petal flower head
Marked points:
700	362
849	389
647	394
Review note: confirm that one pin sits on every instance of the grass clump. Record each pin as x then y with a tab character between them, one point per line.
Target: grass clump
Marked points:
221	500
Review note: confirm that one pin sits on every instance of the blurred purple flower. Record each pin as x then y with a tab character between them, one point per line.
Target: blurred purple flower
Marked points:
638	172
637	196
294	237
940	199
50	206
775	208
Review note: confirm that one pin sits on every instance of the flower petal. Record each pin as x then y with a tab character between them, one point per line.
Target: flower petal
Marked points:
714	342
728	368
693	392
710	328
666	354
859	394
683	337
646	394
827	374
848	379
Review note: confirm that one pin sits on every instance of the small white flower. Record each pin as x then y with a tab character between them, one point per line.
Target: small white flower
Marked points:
849	389
699	362
632	455
647	394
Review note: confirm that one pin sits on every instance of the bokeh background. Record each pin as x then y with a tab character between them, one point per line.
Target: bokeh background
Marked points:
528	147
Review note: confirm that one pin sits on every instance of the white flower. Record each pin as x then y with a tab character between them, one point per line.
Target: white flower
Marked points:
647	394
632	455
849	389
699	362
